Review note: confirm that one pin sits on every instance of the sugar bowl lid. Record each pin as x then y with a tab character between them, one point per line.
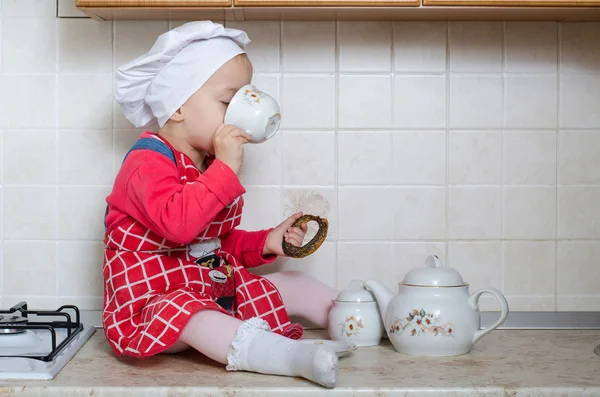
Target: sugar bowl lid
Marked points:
355	292
433	274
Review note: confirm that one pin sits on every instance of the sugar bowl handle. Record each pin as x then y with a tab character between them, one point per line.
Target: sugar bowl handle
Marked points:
474	304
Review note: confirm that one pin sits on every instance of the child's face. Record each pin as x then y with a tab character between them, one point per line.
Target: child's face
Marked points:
205	110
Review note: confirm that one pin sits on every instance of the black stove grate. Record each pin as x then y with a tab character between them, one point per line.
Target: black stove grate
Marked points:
73	327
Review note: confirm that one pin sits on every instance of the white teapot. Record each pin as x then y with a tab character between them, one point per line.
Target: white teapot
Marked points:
433	313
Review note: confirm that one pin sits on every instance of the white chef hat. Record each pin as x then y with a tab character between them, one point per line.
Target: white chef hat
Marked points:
153	86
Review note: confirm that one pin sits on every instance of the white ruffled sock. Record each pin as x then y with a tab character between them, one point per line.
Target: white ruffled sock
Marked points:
256	349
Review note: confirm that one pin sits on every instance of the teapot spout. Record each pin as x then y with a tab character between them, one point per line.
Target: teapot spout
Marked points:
382	295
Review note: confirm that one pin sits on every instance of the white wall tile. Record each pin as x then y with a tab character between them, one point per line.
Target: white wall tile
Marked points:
83	303
85	101
81	212
365	213
314	38
579	212
420	46
28	9
85	46
531	47
579	52
28	45
531	303
27	101
37	302
531	101
589	303
320	265
262	163
27	163
85	157
308	158
408	255
529	158
578	270
269	84
123	141
365	102
420	101
419	213
263	51
579	98
262	208
68	9
475	102
357	261
135	38
419	158
316	201
579	157
529	268
365	46
475	213
80	269
364	158
30	213
308	102
479	263
475	158
475	46
30	268
529	212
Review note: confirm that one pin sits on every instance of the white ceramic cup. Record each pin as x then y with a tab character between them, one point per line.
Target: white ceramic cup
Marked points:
255	112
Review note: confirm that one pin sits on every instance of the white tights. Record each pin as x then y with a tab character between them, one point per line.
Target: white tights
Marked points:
213	334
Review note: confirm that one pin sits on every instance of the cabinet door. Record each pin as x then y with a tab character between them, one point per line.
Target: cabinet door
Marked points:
152	4
327	3
514	3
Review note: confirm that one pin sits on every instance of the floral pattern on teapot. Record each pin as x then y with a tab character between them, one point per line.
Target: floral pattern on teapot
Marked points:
351	326
422	323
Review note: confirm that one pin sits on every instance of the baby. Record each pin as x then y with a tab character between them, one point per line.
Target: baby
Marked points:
175	266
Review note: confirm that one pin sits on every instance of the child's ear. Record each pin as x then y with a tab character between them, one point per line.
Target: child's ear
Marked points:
177	116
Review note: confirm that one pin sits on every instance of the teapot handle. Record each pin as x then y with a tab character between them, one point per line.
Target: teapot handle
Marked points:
474	304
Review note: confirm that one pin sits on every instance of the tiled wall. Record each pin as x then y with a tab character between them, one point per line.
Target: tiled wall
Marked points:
477	141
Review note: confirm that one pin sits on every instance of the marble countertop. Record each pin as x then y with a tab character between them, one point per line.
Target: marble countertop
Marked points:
506	363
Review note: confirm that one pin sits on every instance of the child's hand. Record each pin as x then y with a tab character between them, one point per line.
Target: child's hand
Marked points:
229	146
293	235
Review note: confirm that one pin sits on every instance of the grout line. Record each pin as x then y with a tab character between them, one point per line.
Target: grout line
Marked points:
392	98
280	83
336	154
503	189
112	102
447	182
557	140
57	153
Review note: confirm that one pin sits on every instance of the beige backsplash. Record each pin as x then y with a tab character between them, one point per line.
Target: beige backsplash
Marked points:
477	141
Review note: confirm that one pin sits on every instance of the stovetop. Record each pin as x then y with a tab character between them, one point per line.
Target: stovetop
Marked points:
37	344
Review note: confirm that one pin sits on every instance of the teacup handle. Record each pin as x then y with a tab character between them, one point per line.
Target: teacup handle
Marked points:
474	303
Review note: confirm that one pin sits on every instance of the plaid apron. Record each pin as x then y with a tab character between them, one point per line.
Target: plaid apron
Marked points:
153	286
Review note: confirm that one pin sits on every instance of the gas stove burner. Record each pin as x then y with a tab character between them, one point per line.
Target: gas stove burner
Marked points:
12	320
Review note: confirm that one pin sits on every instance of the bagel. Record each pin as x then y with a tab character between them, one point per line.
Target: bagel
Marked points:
314	244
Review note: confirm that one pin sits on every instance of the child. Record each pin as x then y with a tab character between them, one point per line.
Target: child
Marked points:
175	267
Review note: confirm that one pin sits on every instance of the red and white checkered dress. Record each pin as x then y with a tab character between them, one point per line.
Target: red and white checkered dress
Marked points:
153	285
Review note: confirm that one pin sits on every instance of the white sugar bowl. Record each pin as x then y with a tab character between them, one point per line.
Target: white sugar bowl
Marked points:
355	317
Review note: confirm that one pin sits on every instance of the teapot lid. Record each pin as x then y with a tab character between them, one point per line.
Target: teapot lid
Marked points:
433	274
355	292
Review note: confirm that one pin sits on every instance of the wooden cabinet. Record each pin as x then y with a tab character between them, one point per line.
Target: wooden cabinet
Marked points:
514	3
327	3
141	4
232	10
